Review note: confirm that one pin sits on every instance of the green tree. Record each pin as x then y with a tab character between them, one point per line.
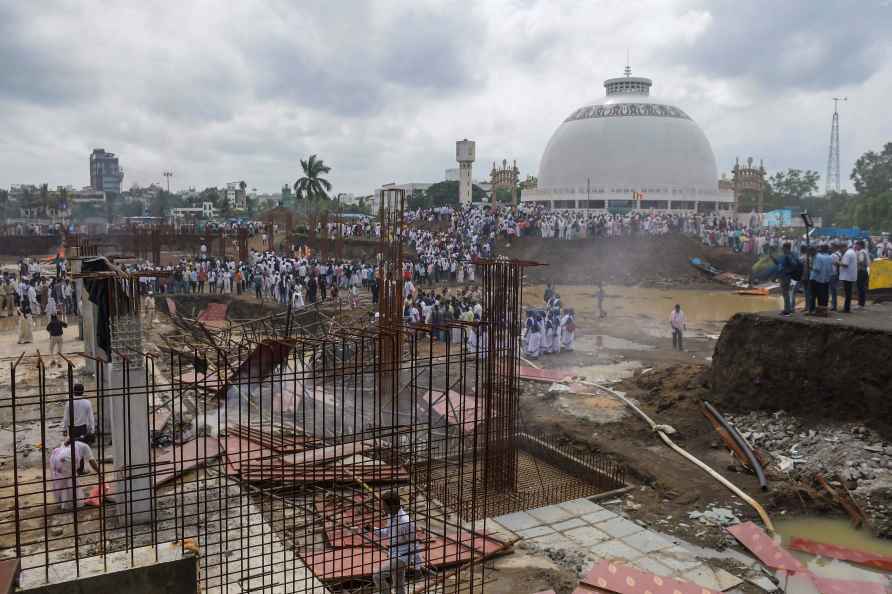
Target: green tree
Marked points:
445	193
503	195
4	204
418	199
872	173
872	207
312	186
792	185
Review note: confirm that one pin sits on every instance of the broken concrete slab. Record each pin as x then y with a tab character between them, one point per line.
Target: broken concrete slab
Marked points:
569	524
517	521
586	536
580	507
713	578
535	532
599	516
619	527
647	542
616	550
551	514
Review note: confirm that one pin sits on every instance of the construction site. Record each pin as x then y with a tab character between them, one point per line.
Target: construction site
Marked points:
242	446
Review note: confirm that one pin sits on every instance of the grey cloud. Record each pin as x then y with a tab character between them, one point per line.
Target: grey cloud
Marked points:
34	66
791	44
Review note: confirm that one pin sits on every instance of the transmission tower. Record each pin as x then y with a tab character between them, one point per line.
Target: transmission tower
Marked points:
168	175
832	181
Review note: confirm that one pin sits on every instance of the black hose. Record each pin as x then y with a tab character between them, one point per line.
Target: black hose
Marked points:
741	443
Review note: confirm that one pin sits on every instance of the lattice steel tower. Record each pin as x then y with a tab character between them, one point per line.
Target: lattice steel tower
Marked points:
832	181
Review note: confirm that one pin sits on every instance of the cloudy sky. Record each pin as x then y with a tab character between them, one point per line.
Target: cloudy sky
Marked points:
220	91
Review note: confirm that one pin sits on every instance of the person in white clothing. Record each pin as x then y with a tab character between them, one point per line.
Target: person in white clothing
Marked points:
402	548
65	482
679	324
848	275
532	345
568	329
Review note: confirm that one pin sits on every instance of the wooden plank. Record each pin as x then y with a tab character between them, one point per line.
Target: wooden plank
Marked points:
9	575
319	455
178	460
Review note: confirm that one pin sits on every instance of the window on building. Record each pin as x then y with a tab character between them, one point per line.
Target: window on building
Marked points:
655	204
565	204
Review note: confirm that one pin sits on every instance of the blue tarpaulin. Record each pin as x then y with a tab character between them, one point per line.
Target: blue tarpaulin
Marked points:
847	232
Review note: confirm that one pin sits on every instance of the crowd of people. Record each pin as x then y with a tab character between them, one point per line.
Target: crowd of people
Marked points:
819	270
550	329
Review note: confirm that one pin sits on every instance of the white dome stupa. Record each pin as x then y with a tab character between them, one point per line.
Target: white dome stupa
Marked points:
629	150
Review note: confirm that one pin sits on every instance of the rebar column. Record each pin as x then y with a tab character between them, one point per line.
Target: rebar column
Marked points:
129	400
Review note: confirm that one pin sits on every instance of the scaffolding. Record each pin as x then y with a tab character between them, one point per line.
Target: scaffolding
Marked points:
265	448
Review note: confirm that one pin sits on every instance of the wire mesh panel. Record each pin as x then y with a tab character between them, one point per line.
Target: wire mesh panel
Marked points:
276	461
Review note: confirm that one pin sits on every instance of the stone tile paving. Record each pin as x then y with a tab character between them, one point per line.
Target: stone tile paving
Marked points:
584	527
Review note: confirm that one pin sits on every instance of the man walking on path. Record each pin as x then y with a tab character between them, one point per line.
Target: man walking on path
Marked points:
679	325
56	328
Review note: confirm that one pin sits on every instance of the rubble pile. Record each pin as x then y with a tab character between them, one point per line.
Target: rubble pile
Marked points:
850	453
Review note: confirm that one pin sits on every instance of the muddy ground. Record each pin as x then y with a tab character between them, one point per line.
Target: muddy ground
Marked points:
632	261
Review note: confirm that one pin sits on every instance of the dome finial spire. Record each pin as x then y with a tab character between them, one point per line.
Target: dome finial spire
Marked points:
628	69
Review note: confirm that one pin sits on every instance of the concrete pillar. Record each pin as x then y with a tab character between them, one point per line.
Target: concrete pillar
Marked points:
128	402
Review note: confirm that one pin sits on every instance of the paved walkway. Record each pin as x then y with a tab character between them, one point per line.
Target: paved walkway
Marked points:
584	526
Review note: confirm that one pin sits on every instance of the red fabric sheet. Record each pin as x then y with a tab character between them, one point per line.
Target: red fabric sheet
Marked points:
624	579
764	548
841	553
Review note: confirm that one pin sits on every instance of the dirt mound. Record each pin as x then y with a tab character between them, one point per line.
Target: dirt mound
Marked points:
646	260
822	368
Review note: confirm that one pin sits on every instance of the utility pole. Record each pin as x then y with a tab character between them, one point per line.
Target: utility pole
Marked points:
832	182
168	174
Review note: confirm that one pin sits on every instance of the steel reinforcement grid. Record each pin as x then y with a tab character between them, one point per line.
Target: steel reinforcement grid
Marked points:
268	462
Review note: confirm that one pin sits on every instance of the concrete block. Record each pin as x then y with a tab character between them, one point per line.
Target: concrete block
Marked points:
554	539
564	526
647	541
676	558
615	550
580	507
518	521
534	532
619	527
176	577
587	536
551	514
653	566
599	516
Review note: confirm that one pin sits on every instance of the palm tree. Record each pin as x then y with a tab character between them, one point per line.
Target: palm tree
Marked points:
311	186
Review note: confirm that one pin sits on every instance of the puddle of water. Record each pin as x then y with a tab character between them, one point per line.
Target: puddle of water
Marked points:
642	302
836	531
612	372
603	341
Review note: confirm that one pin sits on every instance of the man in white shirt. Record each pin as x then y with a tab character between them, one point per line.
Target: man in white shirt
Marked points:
77	417
862	258
848	275
65	483
884	247
679	324
402	550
